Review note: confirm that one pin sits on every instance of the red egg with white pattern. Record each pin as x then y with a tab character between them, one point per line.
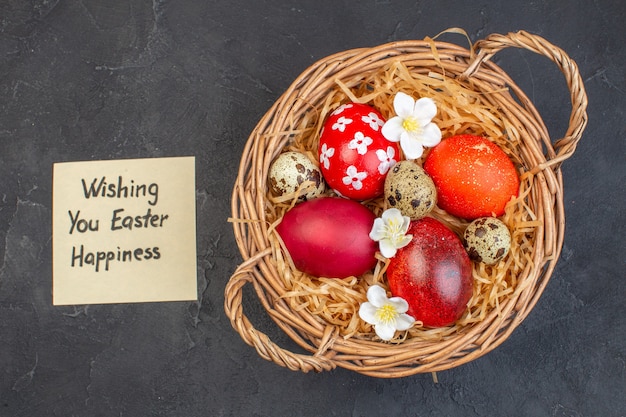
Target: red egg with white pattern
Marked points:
353	153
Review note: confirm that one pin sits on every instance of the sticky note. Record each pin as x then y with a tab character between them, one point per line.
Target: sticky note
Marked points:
124	231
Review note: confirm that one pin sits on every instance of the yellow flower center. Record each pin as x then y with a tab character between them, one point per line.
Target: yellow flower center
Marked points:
395	226
394	231
410	124
386	314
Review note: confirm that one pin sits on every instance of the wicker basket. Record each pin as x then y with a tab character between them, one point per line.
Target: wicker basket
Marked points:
324	346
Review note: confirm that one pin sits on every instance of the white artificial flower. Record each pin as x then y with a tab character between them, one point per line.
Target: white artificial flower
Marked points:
412	125
386	314
389	231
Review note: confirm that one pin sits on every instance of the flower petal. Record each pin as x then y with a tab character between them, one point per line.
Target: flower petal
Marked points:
406	239
367	312
385	331
403	104
378	230
387	249
392	129
391	214
425	109
404	322
412	148
431	135
406	222
400	304
377	296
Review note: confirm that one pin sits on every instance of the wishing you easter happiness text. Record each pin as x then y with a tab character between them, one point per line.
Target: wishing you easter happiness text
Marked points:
120	220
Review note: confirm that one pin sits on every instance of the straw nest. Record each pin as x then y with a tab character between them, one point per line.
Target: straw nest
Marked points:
473	96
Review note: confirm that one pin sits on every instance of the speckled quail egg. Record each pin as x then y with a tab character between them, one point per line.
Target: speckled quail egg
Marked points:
409	189
290	170
487	240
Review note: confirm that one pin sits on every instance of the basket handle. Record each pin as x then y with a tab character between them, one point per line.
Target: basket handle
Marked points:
260	341
494	43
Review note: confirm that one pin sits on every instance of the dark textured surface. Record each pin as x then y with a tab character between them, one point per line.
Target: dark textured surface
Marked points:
91	79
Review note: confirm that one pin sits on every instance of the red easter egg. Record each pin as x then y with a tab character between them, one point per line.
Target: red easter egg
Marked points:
329	237
353	153
433	274
473	176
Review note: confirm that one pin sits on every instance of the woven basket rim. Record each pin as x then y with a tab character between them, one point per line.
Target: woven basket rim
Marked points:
326	348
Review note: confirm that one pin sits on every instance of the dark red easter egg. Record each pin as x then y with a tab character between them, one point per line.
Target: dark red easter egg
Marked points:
433	274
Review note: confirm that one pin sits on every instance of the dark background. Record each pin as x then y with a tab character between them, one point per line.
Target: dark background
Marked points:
83	80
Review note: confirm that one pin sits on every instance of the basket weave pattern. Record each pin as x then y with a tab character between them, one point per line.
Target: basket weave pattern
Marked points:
264	266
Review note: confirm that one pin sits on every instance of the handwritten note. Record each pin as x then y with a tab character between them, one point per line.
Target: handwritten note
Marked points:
124	231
